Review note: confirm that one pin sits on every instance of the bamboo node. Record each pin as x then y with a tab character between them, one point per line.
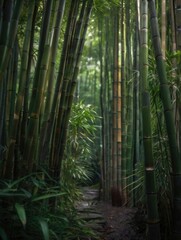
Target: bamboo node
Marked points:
16	116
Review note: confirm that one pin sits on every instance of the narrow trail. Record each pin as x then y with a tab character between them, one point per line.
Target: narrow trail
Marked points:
110	223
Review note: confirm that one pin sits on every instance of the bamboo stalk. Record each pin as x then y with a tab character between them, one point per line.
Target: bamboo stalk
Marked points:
153	222
7	45
178	23
123	106
169	119
45	138
19	101
81	25
58	88
115	190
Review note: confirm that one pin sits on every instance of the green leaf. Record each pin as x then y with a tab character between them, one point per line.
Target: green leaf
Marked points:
44	228
21	213
3	234
11	194
27	194
47	196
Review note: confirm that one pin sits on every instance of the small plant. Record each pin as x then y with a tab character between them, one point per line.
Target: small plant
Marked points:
26	212
77	166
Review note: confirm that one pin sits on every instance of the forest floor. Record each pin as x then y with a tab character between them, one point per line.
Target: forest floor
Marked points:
110	223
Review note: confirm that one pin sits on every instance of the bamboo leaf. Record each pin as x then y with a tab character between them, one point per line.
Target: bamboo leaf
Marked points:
44	228
11	194
21	213
47	196
3	234
27	194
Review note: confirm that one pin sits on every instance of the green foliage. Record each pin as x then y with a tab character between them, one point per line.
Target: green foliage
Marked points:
26	211
81	136
105	5
160	143
78	164
21	213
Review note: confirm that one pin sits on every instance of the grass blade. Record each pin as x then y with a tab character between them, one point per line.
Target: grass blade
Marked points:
47	196
21	213
44	228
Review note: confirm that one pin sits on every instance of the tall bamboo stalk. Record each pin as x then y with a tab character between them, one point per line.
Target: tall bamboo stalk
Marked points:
178	22
136	103
64	75
169	119
129	98
45	137
1	15
20	94
123	107
39	85
76	47
9	34
163	27
107	122
153	222
102	105
44	34
26	100
116	134
176	32
80	35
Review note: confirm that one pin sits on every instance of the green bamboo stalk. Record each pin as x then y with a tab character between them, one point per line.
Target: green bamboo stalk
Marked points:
129	100
10	35
9	102
38	93
163	27
20	95
78	44
44	35
123	104
102	105
58	86
107	127
6	12
115	191
177	35
69	83
178	23
25	114
5	28
153	222
1	15
3	140
114	137
136	104
173	29
13	86
71	61
45	139
169	119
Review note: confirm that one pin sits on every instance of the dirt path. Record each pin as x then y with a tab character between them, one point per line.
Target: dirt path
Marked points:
110	223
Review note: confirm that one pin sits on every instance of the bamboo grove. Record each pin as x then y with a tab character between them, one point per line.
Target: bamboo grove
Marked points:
137	61
125	59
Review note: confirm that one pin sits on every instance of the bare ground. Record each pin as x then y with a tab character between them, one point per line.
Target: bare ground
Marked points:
111	223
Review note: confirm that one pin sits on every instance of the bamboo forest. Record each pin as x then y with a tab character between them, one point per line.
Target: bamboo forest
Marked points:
90	119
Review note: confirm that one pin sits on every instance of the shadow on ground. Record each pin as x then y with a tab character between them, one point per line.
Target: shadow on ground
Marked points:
110	223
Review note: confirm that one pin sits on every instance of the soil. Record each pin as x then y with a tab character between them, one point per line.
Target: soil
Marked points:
111	223
122	223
